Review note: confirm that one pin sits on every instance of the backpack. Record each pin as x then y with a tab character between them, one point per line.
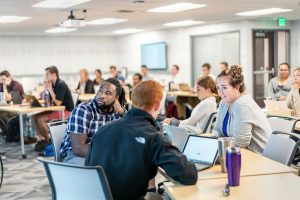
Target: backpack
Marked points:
13	130
171	110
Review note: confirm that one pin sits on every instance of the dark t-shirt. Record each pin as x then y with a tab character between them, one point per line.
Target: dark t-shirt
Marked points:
63	94
14	86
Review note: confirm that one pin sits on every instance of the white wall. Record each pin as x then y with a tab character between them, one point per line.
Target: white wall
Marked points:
179	45
295	41
25	55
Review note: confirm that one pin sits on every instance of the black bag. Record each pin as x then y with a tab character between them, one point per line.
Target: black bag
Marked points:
13	130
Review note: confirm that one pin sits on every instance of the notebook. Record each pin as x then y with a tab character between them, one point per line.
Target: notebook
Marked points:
177	135
201	150
277	108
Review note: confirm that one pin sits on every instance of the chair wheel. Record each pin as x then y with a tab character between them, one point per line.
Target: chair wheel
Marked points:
160	190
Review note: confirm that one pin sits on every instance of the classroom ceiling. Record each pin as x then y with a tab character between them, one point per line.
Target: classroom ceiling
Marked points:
216	11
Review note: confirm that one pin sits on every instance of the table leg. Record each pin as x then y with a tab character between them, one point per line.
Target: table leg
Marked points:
22	136
63	115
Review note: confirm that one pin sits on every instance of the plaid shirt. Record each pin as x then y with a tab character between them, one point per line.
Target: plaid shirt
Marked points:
86	118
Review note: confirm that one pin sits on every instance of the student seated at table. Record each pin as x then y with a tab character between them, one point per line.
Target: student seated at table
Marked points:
131	149
238	115
60	95
207	92
293	98
279	87
7	85
88	117
85	85
98	77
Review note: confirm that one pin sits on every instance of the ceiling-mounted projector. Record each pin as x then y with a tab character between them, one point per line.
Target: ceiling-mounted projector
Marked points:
73	22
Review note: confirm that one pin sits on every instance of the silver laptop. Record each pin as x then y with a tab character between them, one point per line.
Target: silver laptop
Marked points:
177	135
184	87
201	150
277	108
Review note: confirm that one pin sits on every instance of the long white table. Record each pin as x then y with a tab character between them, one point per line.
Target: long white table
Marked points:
22	110
261	187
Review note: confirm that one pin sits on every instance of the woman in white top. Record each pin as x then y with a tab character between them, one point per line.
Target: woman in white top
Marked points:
206	91
293	98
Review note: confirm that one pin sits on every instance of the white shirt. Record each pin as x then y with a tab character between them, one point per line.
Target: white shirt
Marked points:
200	114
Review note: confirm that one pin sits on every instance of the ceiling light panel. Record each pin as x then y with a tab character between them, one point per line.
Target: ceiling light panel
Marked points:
106	21
178	7
264	12
60	30
13	19
128	31
59	3
183	23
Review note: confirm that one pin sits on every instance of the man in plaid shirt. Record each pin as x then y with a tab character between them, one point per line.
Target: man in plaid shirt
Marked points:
88	117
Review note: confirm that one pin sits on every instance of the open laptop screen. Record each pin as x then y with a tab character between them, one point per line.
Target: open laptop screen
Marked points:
203	150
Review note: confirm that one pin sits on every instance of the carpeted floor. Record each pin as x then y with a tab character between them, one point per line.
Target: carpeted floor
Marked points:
23	178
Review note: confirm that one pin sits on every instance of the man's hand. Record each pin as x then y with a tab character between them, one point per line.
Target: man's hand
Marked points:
282	98
295	86
118	108
48	85
167	121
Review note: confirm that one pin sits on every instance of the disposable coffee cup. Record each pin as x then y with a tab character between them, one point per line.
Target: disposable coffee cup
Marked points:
224	143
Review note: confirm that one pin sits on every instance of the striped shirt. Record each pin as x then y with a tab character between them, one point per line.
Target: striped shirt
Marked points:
86	118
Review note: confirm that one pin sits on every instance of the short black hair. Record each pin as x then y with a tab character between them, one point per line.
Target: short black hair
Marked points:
176	66
53	70
5	73
98	70
113	67
224	63
144	66
119	89
285	63
138	75
206	65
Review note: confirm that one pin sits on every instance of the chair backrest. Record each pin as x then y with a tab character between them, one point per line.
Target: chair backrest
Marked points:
75	96
210	123
280	148
76	182
188	110
57	132
281	124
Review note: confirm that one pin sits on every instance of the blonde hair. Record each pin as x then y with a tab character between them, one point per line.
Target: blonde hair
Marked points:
297	69
146	94
86	74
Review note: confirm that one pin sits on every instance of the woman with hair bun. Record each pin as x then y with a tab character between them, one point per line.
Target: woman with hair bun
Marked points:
239	116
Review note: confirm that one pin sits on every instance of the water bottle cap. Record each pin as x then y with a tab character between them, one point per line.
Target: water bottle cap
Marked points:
233	150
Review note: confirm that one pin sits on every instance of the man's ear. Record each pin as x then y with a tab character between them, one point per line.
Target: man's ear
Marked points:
117	97
157	106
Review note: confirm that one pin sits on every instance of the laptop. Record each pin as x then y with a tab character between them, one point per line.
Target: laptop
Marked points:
2	99
201	150
32	101
177	135
184	87
16	97
277	108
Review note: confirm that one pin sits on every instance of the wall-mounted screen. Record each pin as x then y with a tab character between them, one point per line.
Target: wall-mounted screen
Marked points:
154	55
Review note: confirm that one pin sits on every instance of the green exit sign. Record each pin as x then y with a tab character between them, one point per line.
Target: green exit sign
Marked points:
281	21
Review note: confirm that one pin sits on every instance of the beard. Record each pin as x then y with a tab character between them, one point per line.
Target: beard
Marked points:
104	106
